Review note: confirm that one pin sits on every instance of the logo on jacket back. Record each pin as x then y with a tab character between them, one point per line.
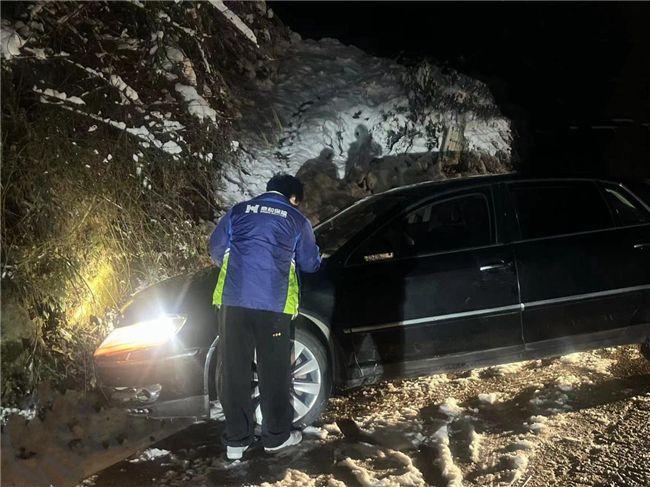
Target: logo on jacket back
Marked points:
268	210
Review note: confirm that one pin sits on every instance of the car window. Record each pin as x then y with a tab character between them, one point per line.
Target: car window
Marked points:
454	224
335	231
625	206
548	209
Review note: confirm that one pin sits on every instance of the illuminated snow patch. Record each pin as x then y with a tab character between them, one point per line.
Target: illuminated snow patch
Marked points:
150	454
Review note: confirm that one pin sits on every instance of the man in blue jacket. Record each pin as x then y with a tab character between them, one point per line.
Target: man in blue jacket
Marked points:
261	245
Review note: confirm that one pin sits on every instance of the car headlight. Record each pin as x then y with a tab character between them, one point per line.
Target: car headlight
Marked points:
145	334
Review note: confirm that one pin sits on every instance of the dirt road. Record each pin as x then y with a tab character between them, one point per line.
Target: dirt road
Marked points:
581	419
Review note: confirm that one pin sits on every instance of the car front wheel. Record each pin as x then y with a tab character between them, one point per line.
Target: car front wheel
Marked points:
311	379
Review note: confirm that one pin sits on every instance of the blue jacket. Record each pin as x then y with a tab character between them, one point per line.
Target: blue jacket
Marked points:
259	244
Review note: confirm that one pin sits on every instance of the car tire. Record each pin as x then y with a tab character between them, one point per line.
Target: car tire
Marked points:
319	351
314	350
645	349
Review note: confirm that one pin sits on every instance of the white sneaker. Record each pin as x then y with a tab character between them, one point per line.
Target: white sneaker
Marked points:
235	452
295	437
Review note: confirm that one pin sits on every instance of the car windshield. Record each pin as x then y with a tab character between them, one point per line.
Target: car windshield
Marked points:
333	232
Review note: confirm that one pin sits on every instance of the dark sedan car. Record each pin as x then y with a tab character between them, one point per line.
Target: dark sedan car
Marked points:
418	280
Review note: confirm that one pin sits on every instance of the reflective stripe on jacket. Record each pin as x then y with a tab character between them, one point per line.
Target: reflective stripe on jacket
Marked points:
261	245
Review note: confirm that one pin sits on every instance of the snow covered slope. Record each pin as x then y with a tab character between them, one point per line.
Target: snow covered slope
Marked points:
175	85
328	95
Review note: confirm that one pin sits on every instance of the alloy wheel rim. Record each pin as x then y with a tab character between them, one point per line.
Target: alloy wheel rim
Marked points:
305	384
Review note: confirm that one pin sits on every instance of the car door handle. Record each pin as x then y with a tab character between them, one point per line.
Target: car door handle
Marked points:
641	246
489	267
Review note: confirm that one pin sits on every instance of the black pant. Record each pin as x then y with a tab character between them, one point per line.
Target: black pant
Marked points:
244	331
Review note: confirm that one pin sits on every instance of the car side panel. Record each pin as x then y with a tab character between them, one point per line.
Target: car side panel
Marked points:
583	283
411	309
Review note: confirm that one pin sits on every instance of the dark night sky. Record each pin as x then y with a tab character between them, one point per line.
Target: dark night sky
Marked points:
550	65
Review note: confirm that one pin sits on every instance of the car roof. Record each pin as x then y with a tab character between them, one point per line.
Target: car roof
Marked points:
425	188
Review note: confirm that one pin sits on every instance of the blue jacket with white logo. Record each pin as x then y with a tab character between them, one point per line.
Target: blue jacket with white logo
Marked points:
260	244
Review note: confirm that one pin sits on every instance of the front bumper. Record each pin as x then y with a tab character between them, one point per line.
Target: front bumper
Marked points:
169	386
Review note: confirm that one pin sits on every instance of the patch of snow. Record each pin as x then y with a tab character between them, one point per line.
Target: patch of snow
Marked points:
567	383
235	20
490	136
450	471
537	423
89	482
141	132
171	147
475	445
28	414
196	104
489	398
206	64
504	369
363	475
320	433
150	454
332	428
123	88
594	361
450	407
411	477
174	56
519	464
39	53
572	358
59	95
10	42
92	128
92	71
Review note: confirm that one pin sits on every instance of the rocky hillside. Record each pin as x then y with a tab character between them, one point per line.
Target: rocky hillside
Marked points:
128	127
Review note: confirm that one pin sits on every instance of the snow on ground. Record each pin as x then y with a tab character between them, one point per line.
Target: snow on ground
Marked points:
28	414
581	420
325	91
150	454
196	104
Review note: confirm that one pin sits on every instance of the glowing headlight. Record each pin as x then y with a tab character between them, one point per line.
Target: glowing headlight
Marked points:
145	334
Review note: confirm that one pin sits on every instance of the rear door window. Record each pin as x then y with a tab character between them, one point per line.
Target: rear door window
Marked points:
546	209
625	206
453	224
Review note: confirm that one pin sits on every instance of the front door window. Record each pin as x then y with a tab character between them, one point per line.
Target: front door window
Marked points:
457	223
